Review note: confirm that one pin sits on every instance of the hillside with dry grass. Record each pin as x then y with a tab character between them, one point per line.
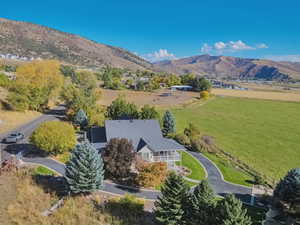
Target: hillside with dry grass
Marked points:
233	67
31	40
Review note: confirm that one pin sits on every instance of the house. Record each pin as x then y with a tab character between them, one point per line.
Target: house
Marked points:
146	137
181	88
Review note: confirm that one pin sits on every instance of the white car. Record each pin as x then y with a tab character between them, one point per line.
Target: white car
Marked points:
14	138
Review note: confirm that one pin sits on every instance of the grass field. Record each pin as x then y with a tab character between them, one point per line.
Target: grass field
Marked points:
264	134
197	171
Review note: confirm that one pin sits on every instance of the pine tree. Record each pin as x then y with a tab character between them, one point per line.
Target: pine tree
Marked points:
81	118
286	196
231	212
169	126
84	171
169	209
202	205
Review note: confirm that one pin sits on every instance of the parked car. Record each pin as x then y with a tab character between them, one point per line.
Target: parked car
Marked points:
14	138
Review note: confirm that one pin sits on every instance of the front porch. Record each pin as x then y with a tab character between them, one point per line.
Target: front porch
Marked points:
166	156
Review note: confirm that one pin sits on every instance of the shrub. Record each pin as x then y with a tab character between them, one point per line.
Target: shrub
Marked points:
148	112
127	206
118	157
151	174
204	95
182	139
54	137
203	144
192	131
4	81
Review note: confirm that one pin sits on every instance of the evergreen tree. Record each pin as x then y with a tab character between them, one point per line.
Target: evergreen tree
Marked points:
81	118
231	212
169	209
169	126
84	171
202	205
286	197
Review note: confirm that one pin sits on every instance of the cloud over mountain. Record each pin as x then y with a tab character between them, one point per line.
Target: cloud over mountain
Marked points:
221	47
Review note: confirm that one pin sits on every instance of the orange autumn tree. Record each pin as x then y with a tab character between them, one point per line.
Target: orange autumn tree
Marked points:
151	174
36	83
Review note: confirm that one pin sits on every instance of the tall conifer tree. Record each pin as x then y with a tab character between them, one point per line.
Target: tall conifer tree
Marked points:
84	171
202	205
169	208
81	118
231	212
169	125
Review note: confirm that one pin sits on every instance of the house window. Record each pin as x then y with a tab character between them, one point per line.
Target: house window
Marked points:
145	155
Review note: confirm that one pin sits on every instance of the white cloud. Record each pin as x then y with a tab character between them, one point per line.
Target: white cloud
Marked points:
206	48
219	45
238	45
262	45
230	46
291	58
161	54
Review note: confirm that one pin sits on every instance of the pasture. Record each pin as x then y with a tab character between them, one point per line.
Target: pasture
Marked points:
264	134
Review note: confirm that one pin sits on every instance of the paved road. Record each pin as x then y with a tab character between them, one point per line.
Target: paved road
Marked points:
215	177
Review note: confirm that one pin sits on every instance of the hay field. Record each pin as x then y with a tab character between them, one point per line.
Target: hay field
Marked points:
267	95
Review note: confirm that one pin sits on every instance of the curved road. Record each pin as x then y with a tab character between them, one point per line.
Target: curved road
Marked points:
215	177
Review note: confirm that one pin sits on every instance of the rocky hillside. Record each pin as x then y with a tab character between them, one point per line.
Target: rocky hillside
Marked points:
31	40
225	66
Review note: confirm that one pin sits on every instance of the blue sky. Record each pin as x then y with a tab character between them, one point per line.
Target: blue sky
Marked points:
173	29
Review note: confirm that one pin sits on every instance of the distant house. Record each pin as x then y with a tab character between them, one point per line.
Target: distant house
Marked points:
181	88
146	137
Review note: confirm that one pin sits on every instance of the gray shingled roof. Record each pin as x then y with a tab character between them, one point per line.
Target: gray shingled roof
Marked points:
140	132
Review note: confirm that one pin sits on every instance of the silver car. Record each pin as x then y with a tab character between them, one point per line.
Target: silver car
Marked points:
14	138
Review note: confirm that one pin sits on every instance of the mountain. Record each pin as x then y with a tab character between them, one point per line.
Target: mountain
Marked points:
31	40
234	67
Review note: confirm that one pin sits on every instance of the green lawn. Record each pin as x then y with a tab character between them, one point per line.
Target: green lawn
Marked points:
264	134
197	171
41	170
230	173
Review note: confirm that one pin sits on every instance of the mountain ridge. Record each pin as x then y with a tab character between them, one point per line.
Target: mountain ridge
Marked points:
233	67
33	40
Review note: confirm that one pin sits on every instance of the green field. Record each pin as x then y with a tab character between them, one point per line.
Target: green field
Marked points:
188	161
264	134
230	173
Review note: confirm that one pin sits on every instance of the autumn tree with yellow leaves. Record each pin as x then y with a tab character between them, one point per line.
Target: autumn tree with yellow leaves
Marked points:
36	84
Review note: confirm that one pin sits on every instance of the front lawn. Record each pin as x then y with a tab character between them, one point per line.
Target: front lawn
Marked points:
188	161
230	173
41	170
